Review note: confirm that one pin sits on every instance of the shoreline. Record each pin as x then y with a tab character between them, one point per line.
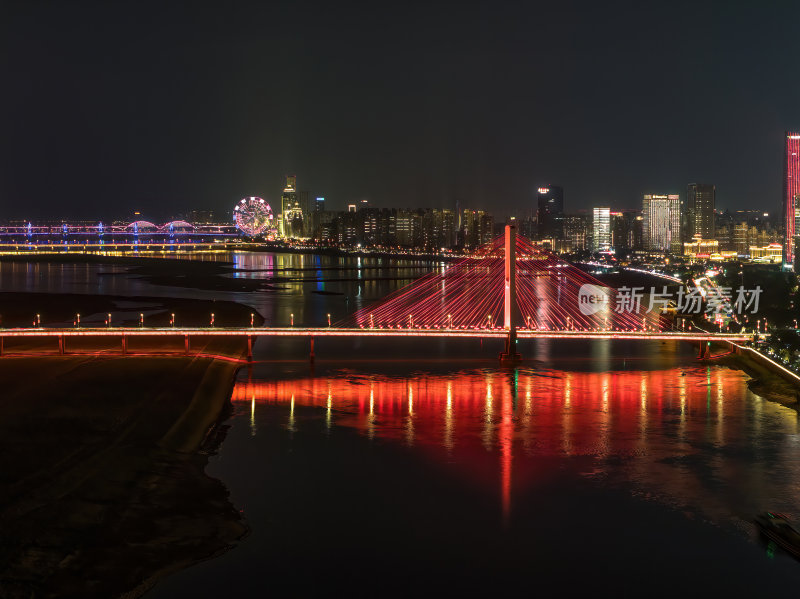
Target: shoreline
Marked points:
763	382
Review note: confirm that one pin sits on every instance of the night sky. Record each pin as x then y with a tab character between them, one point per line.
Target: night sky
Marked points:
111	107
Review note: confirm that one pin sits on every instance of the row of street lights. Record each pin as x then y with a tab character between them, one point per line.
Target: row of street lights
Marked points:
37	321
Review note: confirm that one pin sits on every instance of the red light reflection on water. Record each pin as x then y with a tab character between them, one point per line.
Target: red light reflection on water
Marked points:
485	421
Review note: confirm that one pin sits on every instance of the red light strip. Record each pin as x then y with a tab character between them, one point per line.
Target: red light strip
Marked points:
496	333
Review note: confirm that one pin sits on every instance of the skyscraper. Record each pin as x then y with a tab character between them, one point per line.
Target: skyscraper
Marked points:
700	203
791	194
661	223
626	231
601	229
288	204
550	211
294	210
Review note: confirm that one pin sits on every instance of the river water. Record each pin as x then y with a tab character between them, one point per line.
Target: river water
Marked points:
595	467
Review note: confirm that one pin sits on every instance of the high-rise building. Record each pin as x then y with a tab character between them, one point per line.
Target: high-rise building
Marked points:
290	223
661	223
319	205
601	229
477	228
791	194
626	231
438	229
700	204
550	211
576	232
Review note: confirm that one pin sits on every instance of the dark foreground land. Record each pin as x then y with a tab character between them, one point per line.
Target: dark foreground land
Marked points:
102	484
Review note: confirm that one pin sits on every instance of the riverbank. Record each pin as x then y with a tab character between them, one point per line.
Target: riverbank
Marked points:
19	309
102	483
763	381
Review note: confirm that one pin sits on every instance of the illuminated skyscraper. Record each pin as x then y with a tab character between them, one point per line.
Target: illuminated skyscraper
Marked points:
291	221
791	194
661	223
601	229
550	211
700	200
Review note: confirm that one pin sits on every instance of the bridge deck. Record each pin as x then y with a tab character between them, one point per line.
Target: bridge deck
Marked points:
364	333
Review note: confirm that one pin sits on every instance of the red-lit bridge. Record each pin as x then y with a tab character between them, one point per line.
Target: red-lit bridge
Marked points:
513	281
123	334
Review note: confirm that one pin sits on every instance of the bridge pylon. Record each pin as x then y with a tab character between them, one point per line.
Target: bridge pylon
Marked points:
510	355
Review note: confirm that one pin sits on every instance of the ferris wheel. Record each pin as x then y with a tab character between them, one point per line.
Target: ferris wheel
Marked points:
253	216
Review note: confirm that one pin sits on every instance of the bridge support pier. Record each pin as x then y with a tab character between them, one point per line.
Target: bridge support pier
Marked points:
61	345
124	345
249	348
186	344
703	353
1	346
311	354
510	305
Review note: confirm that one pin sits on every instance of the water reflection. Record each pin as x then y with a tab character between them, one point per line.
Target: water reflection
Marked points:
657	430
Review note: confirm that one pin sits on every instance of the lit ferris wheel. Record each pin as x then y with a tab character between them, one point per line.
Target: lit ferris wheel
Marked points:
253	216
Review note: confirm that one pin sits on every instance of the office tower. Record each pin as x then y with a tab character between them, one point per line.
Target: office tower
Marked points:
626	231
661	223
601	229
700	204
438	228
291	220
791	193
477	228
319	205
550	212
576	232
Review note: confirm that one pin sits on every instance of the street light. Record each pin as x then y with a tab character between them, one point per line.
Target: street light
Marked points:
291	319
329	320
212	319
172	320
108	320
141	319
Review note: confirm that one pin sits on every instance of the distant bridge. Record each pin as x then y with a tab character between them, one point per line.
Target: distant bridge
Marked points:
177	231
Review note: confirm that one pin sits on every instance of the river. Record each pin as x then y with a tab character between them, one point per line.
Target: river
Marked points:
596	467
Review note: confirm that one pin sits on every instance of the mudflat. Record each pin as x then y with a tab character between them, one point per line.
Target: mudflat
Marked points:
102	483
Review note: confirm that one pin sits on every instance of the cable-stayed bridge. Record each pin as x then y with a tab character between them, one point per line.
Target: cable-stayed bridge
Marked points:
510	288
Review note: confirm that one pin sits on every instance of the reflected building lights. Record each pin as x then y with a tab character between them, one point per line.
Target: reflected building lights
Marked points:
329	404
448	418
253	416
409	424
488	426
580	413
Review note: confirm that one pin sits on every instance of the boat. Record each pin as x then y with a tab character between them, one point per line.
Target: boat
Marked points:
776	528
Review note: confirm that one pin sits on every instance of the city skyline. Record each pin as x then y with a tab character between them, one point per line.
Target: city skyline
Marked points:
398	125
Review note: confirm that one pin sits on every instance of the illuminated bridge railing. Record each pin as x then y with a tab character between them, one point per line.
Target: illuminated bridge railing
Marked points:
123	334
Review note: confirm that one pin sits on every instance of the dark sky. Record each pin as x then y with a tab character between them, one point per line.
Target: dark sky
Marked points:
108	107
